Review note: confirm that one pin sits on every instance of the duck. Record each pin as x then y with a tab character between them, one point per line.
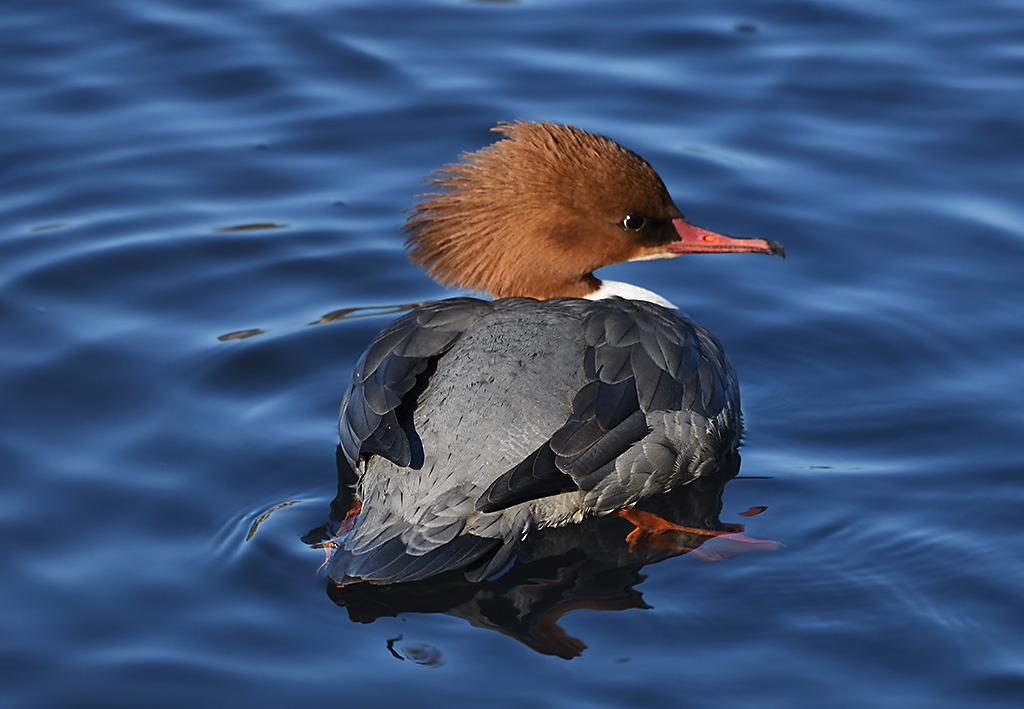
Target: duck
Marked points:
470	422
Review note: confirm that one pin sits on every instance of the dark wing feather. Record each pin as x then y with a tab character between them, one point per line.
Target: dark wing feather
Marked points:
389	370
537	476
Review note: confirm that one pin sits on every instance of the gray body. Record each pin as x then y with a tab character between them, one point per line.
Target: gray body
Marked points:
468	423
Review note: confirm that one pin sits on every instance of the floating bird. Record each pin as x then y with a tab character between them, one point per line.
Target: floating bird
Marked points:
468	422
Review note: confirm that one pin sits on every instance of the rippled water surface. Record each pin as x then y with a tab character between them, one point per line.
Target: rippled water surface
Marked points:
174	172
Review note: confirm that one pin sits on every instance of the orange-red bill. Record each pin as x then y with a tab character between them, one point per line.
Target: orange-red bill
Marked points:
696	240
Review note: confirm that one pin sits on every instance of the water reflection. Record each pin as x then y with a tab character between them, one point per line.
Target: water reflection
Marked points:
366	312
251	227
595	564
370	311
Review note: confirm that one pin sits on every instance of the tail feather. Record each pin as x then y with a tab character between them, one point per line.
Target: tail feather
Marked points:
392	563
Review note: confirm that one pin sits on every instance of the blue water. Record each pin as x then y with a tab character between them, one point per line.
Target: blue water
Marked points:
881	363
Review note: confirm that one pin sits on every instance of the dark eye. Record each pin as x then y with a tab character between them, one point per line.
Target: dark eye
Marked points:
634	222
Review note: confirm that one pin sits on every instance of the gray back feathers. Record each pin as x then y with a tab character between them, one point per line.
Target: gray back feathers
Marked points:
470	422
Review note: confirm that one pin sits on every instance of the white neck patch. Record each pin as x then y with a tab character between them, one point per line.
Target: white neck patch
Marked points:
628	291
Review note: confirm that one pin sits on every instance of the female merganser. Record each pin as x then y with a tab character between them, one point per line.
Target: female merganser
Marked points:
470	422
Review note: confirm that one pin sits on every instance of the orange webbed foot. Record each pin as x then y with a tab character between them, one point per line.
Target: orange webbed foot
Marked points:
344	528
654	532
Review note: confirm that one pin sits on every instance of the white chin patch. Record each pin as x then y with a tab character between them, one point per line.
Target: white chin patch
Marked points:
628	291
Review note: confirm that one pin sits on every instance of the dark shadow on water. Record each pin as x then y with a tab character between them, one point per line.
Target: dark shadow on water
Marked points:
587	565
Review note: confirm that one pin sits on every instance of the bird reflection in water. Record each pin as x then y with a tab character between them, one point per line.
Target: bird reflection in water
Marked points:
595	564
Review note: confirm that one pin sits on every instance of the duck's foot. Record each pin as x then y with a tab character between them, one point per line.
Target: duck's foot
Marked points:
344	528
350	517
654	532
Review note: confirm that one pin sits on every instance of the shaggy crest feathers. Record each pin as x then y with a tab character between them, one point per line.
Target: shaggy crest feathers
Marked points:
543	185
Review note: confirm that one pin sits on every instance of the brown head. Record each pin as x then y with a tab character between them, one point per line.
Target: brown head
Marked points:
535	213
